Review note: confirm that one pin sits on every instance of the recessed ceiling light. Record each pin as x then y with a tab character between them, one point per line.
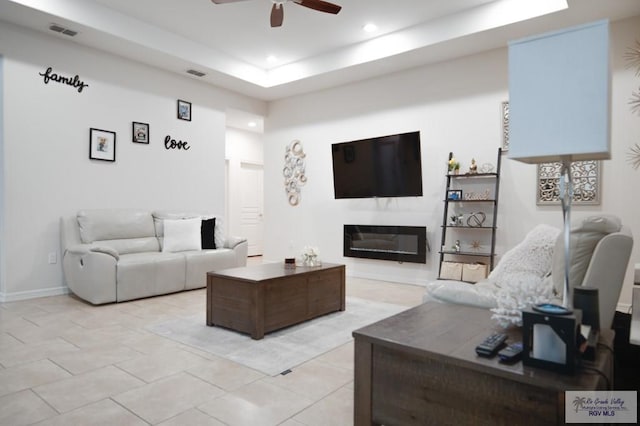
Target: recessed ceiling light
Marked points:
370	27
252	124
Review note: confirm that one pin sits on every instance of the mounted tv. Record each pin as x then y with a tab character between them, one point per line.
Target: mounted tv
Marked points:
387	166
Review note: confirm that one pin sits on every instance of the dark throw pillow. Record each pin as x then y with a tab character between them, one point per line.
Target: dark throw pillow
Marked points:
207	232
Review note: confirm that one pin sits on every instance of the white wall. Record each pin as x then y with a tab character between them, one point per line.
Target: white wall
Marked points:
456	106
46	167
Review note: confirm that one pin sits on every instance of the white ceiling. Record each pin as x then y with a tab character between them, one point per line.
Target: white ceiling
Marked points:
230	42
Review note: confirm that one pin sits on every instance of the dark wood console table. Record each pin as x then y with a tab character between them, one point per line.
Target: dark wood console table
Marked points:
262	298
419	367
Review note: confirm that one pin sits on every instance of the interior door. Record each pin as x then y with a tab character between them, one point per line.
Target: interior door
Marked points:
252	206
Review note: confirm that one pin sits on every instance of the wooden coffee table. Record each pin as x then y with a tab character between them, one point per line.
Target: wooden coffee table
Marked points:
262	298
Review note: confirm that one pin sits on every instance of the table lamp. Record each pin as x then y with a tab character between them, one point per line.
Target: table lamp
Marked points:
560	107
559	110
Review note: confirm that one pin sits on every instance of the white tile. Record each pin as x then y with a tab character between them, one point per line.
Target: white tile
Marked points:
168	397
256	404
26	353
83	360
26	376
335	410
192	417
101	413
166	363
23	408
77	391
226	374
313	379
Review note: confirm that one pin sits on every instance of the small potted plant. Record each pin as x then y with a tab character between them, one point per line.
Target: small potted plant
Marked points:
454	166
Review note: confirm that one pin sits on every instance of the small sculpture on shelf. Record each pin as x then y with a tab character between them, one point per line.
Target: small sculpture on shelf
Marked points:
475	245
486	168
473	168
456	220
456	246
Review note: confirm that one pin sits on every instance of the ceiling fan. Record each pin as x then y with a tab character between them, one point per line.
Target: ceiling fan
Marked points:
277	11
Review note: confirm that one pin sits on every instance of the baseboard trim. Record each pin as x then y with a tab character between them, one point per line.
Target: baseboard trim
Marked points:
33	294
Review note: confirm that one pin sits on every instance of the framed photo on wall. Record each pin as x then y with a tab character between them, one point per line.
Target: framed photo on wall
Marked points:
184	110
140	132
102	145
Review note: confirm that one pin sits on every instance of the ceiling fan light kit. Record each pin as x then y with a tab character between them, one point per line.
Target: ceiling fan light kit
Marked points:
277	10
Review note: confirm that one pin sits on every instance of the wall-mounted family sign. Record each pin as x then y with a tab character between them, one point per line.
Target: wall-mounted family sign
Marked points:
74	81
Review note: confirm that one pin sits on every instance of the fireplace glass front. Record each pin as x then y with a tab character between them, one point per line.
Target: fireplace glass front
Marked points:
397	243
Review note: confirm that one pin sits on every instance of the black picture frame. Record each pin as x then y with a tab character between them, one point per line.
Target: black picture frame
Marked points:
454	195
184	110
102	145
139	132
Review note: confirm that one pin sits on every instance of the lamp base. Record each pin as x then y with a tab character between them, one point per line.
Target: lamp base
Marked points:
551	341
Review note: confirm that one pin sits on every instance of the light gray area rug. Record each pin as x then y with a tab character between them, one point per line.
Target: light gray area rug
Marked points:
283	349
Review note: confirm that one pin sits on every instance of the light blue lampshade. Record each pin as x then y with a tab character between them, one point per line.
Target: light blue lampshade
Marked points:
560	95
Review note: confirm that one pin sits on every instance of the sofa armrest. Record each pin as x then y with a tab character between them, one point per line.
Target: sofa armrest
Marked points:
232	242
83	249
90	272
106	250
78	249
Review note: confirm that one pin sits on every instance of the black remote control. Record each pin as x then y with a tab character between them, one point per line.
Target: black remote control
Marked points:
511	353
491	345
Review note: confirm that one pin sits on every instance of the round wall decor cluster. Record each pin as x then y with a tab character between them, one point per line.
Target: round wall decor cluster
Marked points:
294	171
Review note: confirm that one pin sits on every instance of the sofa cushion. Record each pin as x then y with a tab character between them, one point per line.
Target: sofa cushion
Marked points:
207	233
201	262
159	216
181	235
114	224
149	274
130	245
583	240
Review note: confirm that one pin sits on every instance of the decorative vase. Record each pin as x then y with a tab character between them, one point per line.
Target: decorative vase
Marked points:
311	260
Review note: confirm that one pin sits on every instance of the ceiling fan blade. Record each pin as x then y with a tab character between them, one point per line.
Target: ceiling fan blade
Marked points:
226	1
277	15
320	5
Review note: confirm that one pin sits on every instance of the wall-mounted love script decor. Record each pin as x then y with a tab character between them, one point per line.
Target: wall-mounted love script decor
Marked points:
170	143
74	81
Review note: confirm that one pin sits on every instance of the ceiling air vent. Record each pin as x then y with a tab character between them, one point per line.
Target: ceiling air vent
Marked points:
66	31
196	73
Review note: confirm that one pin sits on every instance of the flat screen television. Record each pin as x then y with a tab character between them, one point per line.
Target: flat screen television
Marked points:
386	166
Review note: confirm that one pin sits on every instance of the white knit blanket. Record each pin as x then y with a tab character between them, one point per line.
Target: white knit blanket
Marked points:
519	277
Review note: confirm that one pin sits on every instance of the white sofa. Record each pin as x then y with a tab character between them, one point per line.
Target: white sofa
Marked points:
113	255
533	271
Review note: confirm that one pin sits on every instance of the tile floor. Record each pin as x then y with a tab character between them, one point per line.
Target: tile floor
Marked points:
65	362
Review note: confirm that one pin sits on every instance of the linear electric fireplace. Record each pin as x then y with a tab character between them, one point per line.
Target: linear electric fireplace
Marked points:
399	243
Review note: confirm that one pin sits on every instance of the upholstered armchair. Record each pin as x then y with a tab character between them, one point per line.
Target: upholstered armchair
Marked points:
533	271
